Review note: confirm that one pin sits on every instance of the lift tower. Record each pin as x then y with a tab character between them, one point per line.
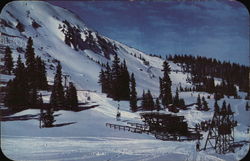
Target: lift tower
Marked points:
221	130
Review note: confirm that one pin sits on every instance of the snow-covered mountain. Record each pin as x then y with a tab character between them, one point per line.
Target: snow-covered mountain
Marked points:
47	25
82	58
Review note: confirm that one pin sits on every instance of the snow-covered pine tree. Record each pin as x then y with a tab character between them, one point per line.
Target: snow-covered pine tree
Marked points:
8	61
247	106
71	99
176	99
102	80
216	107
166	84
148	102
115	74
133	94
108	79
30	63
204	104
124	82
157	104
40	70
17	94
199	105
57	95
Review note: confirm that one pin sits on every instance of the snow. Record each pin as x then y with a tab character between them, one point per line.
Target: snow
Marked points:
87	137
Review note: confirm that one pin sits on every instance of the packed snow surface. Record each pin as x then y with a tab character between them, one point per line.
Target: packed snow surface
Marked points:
86	137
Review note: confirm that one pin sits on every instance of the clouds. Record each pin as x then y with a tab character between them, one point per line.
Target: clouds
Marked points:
213	28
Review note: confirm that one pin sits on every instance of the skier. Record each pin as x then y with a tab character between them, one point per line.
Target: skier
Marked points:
118	115
198	145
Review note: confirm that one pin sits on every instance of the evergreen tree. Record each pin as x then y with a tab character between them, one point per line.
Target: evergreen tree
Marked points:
8	61
108	79
57	95
71	96
199	102
181	102
161	92
247	106
124	82
147	102
176	99
224	107
133	94
33	97
17	95
143	102
166	84
48	119
229	108
157	104
102	81
204	103
30	63
216	107
115	73
40	100
40	70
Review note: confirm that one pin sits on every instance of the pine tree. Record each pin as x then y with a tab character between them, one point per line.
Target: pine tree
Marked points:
33	97
71	96
224	107
124	82
30	63
199	102
115	73
247	106
108	79
40	100
133	94
160	83
204	103
40	70
157	104
17	95
166	84
216	107
181	102
49	118
57	95
229	110
102	81
143	102
176	99
8	61
148	101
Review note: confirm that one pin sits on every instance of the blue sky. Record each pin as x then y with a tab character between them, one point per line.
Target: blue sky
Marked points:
211	28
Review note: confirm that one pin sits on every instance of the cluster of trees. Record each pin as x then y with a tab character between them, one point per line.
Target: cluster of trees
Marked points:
61	98
147	102
202	104
22	91
178	101
29	77
118	84
165	94
201	67
115	81
207	85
